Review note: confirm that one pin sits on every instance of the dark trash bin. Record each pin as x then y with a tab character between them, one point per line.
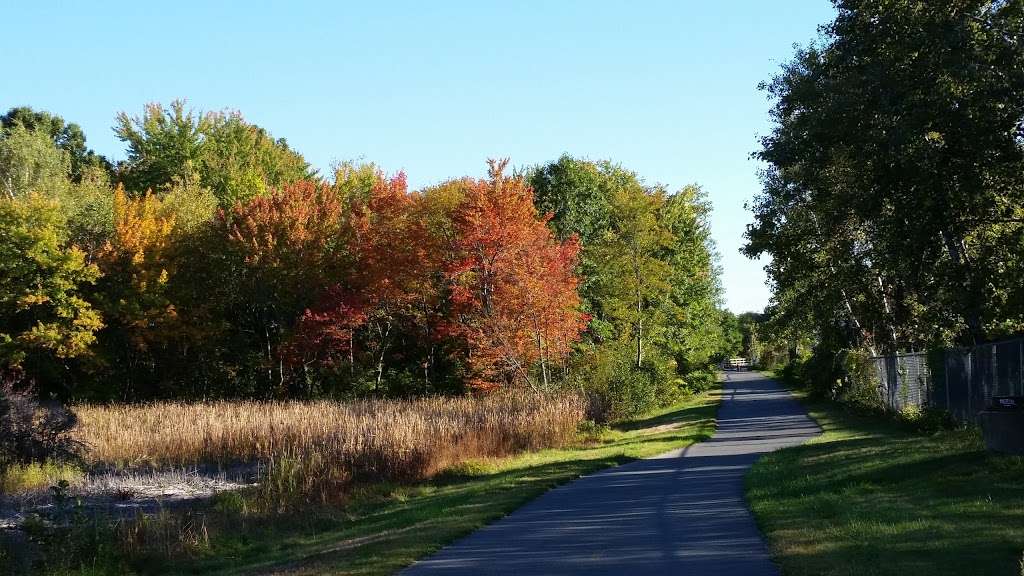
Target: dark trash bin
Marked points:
1002	425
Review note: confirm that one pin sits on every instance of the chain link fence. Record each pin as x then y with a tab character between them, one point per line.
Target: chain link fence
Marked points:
959	381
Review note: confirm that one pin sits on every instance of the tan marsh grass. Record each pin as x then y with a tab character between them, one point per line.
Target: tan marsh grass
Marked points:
307	443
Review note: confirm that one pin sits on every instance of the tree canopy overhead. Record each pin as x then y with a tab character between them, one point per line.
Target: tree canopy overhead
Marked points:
894	175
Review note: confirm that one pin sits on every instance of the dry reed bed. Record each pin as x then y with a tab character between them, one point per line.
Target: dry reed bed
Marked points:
376	439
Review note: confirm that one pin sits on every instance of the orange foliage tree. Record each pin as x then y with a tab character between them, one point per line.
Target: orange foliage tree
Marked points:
514	298
292	244
137	265
397	260
344	279
392	283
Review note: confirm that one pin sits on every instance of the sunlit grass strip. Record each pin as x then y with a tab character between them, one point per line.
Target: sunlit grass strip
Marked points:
18	478
870	496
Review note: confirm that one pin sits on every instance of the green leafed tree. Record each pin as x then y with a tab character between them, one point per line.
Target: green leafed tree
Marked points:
220	151
693	333
241	160
165	145
67	136
30	162
635	280
648	265
43	317
895	175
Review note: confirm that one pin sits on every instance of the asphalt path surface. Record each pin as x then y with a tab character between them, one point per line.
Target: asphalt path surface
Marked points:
682	512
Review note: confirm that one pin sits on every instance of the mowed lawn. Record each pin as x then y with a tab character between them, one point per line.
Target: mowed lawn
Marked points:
386	527
871	497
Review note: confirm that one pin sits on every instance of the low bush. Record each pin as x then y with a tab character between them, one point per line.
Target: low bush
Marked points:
848	377
845	376
856	383
792	374
32	431
700	381
617	388
636	390
928	420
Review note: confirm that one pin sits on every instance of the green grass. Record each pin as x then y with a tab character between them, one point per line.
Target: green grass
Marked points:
386	527
871	497
23	477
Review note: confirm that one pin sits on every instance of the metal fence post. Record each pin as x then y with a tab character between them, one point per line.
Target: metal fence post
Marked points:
995	371
970	384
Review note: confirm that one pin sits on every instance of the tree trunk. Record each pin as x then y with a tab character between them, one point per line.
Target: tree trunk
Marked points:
640	344
954	247
639	327
270	355
543	365
383	350
351	352
890	320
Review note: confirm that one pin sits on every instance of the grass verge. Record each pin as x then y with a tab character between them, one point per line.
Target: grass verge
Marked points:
22	477
870	497
382	527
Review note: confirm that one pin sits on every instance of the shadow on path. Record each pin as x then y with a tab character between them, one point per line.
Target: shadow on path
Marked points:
682	512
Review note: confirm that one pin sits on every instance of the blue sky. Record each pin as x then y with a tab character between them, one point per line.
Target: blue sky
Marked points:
666	88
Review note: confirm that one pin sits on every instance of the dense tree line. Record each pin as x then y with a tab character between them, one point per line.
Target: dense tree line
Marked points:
213	262
892	197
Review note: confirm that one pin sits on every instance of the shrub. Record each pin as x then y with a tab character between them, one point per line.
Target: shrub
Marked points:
927	420
791	374
857	384
634	391
31	430
592	431
700	381
616	388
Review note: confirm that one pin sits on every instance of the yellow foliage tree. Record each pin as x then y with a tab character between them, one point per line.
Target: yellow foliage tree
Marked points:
136	263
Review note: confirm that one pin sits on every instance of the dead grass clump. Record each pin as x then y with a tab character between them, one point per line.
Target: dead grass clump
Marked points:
306	443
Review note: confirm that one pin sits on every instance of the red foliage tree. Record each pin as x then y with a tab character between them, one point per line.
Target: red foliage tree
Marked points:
392	281
325	334
293	244
396	263
514	298
294	230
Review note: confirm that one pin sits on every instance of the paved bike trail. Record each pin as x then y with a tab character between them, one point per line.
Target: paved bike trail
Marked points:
682	512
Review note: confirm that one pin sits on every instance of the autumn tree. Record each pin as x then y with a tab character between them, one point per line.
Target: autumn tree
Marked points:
289	245
396	261
392	292
44	318
514	290
133	293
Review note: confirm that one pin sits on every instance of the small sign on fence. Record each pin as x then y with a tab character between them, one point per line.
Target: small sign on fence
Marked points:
1008	402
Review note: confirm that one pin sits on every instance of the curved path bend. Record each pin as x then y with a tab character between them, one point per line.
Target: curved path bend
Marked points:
682	512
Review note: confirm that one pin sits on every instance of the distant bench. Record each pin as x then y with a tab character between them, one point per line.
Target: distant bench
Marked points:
736	364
